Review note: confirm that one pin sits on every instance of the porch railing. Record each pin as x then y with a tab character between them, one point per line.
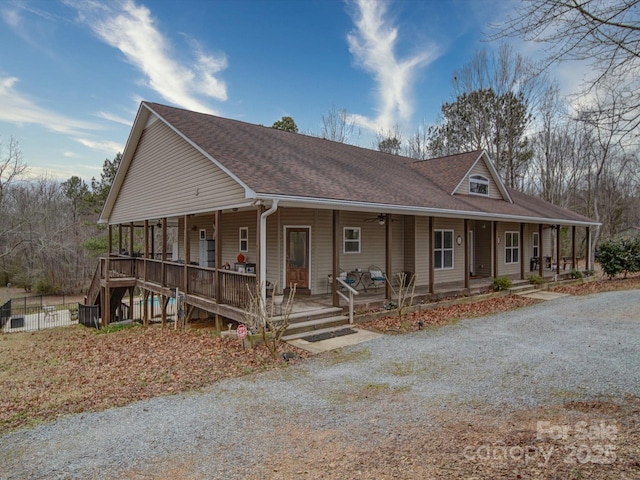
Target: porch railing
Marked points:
235	287
351	291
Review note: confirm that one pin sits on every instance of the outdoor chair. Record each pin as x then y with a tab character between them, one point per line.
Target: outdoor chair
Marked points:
347	278
376	276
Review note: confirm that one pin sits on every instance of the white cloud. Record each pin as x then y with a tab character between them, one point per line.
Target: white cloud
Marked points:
115	118
108	147
373	44
18	108
131	29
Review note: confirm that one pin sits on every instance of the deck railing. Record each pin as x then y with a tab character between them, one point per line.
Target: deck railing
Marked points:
235	287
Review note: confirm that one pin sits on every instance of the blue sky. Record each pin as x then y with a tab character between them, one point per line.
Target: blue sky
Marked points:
73	72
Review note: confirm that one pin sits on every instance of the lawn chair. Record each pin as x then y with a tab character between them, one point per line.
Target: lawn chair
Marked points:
347	278
376	276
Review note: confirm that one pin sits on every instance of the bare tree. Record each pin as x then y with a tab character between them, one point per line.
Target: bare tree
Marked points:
338	126
603	33
417	145
389	141
12	166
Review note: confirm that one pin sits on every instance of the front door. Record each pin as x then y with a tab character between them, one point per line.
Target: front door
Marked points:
297	257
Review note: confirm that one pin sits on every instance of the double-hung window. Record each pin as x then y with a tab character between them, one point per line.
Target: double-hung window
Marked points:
443	249
512	247
244	239
351	240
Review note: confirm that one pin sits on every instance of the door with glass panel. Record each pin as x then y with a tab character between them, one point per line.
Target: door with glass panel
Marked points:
297	257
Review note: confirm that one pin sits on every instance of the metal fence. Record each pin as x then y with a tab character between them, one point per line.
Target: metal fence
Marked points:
34	313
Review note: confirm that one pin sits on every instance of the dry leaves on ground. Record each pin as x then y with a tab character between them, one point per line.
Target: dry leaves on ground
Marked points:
69	370
443	315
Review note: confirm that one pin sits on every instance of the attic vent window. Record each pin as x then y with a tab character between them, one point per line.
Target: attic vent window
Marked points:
478	185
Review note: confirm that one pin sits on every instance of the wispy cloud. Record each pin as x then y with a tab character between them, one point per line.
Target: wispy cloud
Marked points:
131	29
373	43
115	118
104	146
18	108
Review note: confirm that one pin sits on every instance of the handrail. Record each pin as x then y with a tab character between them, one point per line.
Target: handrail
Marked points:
352	291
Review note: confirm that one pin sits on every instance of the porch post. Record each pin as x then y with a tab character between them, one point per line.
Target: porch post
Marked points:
110	250
146	239
388	255
218	254
119	238
495	243
164	251
187	253
573	248
465	242
540	252
521	250
557	249
432	270
336	258
588	252
131	239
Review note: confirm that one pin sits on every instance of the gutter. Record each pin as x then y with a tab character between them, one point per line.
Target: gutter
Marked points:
263	248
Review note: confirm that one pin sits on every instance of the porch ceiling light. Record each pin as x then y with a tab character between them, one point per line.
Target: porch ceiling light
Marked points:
381	219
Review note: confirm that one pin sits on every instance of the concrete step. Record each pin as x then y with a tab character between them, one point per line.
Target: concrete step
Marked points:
307	333
307	315
301	329
524	288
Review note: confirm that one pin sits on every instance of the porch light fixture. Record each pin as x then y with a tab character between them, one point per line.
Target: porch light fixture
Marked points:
459	240
381	219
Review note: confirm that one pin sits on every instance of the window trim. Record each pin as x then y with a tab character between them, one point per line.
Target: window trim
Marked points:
511	247
243	238
479	180
346	240
444	249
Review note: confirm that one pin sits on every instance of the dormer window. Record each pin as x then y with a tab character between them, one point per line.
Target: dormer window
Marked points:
478	185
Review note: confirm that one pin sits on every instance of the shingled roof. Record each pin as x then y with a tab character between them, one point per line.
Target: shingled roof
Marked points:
281	164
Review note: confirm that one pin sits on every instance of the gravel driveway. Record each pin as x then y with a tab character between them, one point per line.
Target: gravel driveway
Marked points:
577	348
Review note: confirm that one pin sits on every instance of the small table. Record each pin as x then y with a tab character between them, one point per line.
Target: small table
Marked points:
359	275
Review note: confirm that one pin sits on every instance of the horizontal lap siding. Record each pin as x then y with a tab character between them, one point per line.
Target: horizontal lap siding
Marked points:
169	177
422	250
480	168
504	268
457	272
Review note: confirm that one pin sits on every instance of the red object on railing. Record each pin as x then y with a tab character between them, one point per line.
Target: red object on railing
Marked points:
240	258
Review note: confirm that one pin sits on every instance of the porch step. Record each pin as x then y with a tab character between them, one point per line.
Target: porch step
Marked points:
313	332
307	315
303	329
523	289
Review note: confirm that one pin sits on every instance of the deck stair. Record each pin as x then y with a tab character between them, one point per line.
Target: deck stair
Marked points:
314	321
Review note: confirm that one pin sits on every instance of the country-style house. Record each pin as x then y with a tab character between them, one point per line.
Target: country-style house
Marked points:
252	204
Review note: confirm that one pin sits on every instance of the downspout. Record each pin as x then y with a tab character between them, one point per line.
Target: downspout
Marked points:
263	248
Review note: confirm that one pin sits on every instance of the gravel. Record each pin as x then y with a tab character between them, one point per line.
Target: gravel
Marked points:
572	348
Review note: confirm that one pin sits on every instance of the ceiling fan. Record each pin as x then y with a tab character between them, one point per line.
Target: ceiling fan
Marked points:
380	219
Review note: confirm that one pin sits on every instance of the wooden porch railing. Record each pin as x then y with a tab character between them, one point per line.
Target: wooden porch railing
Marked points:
201	281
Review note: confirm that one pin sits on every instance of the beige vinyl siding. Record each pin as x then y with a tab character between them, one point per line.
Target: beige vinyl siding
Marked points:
480	168
457	272
505	269
421	268
409	244
168	177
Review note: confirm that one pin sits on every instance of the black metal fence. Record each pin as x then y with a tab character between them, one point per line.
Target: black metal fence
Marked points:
35	313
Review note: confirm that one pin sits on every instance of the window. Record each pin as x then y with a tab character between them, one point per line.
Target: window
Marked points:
351	239
244	239
512	247
443	249
535	242
479	185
